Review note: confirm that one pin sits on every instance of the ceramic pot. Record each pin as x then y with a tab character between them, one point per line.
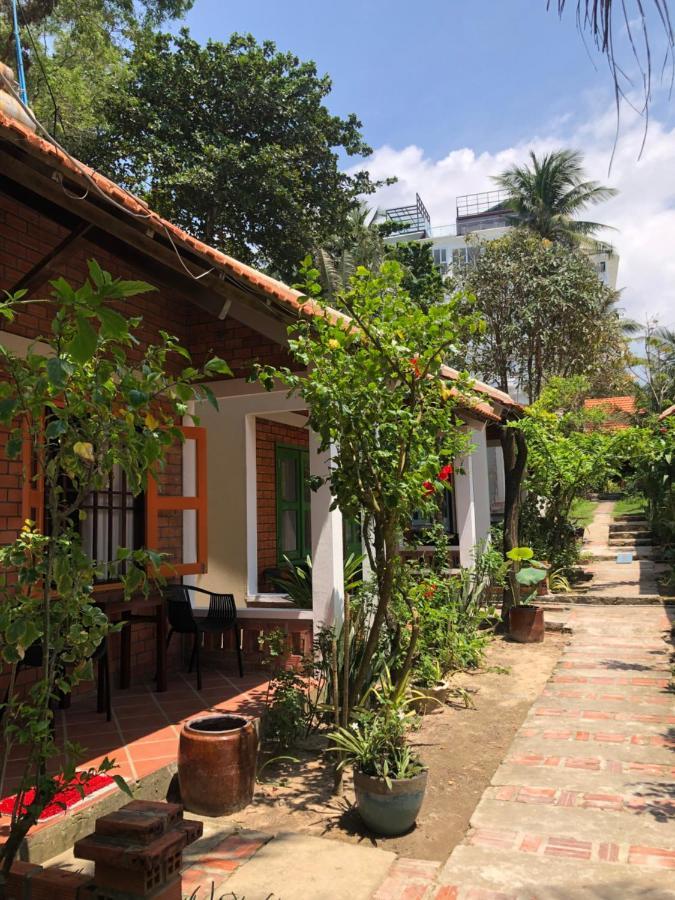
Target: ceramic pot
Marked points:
217	764
526	624
389	810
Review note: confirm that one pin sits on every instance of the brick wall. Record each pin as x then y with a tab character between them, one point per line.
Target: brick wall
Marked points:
26	237
235	342
268	435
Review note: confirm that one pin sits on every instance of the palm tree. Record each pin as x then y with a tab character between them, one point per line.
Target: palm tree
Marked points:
640	20
362	245
547	195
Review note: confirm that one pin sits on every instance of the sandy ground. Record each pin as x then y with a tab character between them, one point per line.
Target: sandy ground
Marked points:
461	746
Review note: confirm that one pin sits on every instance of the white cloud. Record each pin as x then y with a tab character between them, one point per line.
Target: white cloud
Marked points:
643	212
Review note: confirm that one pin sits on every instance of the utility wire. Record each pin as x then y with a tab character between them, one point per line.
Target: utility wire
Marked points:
19	55
38	56
81	169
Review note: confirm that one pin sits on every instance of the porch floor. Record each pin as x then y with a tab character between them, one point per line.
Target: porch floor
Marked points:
143	734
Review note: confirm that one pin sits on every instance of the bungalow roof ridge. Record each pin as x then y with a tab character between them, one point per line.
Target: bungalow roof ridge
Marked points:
20	134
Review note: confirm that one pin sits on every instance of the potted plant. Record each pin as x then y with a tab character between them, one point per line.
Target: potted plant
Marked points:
430	688
526	621
273	645
389	778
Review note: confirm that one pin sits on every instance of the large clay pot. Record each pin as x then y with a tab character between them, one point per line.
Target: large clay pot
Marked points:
526	624
389	810
217	759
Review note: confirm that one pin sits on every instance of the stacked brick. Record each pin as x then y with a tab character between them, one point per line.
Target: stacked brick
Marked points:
138	851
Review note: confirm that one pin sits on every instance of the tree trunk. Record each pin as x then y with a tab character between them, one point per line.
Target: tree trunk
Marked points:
514	450
386	555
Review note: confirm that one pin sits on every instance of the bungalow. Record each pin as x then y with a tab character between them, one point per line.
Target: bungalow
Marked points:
227	517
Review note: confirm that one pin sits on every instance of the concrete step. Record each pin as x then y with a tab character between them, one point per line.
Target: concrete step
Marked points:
313	868
590	781
595	825
624	751
622	540
603	554
598	598
628	527
523	876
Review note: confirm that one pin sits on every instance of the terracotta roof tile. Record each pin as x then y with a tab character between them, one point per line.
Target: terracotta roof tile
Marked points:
19	134
624	404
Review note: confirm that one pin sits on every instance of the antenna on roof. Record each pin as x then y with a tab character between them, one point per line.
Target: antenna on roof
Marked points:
19	55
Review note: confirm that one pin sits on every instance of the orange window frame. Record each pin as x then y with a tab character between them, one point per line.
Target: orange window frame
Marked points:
157	503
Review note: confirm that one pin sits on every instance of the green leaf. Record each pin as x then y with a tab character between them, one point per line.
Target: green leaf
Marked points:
210	396
56	372
96	273
7	407
530	576
63	290
217	366
83	345
131	288
122	785
14	446
113	325
137	398
56	428
520	554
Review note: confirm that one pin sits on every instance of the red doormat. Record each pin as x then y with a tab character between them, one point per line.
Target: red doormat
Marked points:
71	793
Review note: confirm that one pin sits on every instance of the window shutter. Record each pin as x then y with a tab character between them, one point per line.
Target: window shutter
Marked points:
179	520
33	487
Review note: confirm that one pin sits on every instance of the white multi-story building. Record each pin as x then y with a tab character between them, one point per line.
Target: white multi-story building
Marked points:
485	213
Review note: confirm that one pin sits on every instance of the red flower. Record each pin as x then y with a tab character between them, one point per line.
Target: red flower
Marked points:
445	473
430	591
429	489
415	366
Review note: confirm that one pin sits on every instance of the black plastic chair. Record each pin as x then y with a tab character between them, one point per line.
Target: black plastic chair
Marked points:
33	659
221	617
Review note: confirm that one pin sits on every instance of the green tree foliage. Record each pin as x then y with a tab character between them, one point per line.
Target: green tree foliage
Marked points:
234	143
653	460
75	55
567	457
655	369
376	400
546	313
86	407
548	195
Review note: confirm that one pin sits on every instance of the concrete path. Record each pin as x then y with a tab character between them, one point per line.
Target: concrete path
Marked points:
583	806
614	582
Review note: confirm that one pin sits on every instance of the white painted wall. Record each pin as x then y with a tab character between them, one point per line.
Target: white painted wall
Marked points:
327	551
231	466
472	494
232	508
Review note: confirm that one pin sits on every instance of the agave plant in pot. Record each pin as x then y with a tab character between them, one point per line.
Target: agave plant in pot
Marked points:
389	777
526	621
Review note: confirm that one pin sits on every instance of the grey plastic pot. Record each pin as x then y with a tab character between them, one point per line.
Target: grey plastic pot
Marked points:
389	810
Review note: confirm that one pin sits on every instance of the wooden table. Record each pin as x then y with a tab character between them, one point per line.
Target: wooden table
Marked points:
131	612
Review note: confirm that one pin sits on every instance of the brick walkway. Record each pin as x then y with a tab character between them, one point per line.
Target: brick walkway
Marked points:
583	806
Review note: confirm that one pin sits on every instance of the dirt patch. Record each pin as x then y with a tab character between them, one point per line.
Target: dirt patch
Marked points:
461	746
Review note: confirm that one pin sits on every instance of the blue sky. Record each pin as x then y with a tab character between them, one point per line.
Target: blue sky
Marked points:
482	74
452	92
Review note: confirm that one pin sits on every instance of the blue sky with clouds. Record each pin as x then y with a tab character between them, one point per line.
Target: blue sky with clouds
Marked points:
450	92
